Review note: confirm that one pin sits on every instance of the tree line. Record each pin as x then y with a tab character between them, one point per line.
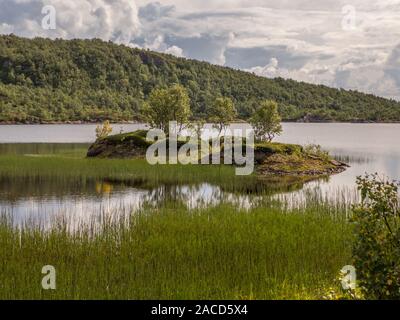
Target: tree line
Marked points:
44	80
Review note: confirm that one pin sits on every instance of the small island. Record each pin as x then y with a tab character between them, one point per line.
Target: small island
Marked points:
172	105
271	159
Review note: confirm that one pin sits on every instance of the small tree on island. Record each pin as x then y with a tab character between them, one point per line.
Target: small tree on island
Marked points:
222	113
103	130
165	105
266	121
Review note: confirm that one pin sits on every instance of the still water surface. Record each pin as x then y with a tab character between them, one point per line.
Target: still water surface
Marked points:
365	147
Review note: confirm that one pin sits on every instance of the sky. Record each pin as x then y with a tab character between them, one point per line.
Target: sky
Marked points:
351	44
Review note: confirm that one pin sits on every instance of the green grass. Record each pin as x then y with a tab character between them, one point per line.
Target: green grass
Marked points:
134	171
76	150
174	253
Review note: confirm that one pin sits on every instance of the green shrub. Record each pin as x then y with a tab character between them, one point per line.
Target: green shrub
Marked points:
377	247
104	130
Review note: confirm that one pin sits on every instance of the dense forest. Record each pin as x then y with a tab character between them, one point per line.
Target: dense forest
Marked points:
44	80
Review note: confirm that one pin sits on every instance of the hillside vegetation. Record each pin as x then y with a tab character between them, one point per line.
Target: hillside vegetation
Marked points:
44	80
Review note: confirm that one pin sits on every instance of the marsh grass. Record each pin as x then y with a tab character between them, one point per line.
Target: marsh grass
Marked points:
133	171
175	253
65	167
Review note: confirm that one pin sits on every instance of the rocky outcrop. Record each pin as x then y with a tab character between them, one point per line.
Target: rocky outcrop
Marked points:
127	145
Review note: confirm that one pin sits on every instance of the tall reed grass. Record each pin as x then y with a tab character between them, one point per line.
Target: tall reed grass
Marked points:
174	253
134	171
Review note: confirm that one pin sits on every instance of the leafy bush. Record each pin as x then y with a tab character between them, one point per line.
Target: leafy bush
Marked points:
102	131
377	247
222	113
165	105
338	292
267	121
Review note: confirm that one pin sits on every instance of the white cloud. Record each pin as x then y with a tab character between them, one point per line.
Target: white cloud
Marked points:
115	20
270	70
174	50
6	28
158	44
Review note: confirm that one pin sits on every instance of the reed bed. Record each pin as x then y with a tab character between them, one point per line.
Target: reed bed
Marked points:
175	253
134	171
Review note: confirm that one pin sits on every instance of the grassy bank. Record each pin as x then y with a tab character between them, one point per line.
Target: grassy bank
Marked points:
73	168
113	169
173	253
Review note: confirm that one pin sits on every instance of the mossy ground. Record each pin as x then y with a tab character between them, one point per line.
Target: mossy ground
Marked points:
296	164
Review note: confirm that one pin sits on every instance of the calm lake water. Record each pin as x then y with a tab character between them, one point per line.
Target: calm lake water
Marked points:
365	147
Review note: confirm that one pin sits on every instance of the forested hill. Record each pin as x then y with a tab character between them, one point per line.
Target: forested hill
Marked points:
45	80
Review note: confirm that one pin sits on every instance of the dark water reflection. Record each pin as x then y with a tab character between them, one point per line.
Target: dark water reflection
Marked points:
366	147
